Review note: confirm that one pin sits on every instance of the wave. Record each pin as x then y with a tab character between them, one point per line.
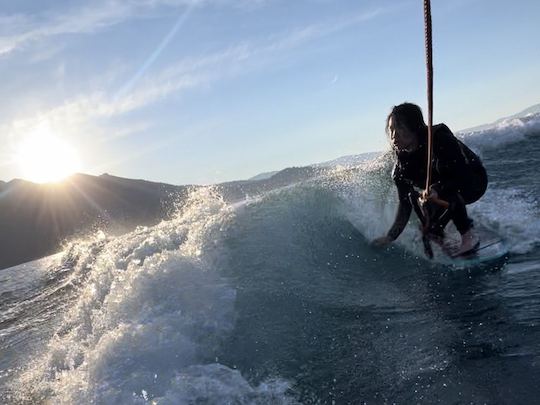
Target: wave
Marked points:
155	313
151	310
507	131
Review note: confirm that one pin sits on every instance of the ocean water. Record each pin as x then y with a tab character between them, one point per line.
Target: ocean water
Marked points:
279	299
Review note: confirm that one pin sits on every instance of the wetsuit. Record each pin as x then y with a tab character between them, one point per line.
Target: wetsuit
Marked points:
458	177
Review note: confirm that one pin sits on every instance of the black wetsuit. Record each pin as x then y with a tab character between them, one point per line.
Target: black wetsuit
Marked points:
458	177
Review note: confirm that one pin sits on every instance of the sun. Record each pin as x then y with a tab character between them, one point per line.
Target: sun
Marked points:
44	157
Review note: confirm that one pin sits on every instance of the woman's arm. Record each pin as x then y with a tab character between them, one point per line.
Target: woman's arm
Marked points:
403	214
400	222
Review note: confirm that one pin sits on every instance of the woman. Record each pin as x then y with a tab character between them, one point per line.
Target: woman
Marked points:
458	178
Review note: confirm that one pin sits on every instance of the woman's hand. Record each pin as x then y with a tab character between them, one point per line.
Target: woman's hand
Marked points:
382	241
433	197
430	195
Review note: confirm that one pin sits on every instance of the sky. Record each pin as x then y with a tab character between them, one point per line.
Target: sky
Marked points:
206	91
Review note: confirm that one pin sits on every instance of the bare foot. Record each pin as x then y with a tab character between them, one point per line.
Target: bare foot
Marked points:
469	242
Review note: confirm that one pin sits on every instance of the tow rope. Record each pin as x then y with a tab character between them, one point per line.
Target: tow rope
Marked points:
429	67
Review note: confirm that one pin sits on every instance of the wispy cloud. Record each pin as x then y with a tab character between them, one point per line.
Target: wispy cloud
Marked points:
315	31
99	115
19	30
230	62
188	73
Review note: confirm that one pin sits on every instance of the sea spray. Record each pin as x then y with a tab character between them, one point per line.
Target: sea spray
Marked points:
148	320
281	295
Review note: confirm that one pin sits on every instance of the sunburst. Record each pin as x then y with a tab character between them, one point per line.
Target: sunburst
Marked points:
45	157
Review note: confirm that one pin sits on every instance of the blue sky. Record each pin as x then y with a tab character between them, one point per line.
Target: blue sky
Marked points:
204	91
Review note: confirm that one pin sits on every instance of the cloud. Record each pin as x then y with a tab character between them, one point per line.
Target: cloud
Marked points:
19	30
23	29
231	62
82	113
315	31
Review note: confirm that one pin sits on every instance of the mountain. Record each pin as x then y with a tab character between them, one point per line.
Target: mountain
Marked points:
528	112
237	190
533	110
36	218
349	160
262	176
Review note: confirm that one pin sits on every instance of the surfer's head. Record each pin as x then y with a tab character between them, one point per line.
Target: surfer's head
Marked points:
404	126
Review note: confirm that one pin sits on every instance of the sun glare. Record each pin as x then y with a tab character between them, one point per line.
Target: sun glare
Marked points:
44	157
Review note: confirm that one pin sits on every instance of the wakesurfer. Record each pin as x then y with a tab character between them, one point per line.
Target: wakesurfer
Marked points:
458	178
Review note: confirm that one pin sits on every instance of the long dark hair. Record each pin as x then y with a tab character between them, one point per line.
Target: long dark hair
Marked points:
409	115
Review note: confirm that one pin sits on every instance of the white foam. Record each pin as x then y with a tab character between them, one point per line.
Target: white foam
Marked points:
370	202
513	215
147	321
217	384
507	131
